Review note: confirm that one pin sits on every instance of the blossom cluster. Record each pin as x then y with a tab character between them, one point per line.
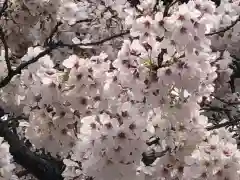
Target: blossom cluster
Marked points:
96	106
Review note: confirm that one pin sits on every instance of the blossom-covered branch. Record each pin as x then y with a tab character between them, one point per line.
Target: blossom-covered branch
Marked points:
123	89
48	50
23	65
225	29
96	43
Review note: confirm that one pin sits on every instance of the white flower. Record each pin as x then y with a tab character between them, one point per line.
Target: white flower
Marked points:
72	61
32	52
159	24
89	125
142	25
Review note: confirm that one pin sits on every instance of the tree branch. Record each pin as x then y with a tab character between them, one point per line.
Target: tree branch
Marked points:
217	126
41	168
215	108
134	3
6	56
226	102
225	29
49	39
156	5
96	42
23	65
150	156
49	49
4	7
81	21
165	13
22	173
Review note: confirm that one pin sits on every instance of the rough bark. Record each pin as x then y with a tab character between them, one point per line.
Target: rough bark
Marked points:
42	168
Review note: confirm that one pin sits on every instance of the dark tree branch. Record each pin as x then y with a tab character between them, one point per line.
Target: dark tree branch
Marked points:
134	3
156	5
229	123
160	58
225	29
232	84
226	102
153	140
49	40
165	13
6	56
4	7
23	65
41	168
22	173
3	39
83	20
149	157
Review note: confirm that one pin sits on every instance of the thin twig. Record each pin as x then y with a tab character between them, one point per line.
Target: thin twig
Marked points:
96	43
49	40
225	29
81	21
165	13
